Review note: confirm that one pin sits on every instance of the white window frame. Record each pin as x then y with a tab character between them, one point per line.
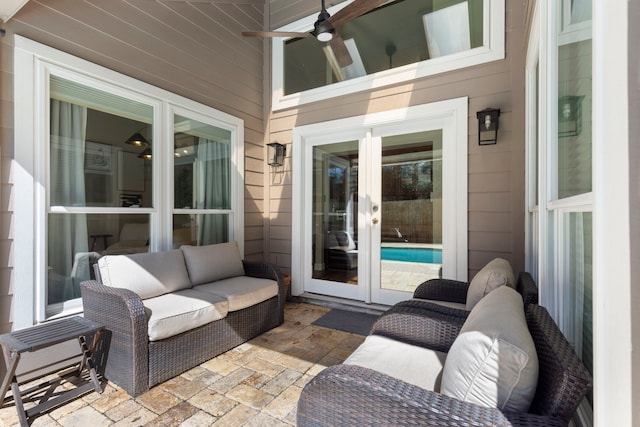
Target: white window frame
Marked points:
492	50
34	63
547	218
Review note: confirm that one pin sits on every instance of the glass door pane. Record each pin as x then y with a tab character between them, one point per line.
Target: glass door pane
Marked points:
334	218
411	212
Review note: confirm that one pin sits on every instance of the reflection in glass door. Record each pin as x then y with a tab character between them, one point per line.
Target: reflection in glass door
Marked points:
334	226
410	232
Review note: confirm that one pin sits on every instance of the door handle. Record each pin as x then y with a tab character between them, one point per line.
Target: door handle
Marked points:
374	220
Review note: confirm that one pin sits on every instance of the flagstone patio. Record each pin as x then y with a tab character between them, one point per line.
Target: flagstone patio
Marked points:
255	384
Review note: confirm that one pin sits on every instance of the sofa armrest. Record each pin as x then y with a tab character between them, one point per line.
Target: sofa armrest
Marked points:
266	270
122	313
421	323
443	290
351	395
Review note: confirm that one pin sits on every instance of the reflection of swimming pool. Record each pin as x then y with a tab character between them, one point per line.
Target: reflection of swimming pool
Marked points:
407	254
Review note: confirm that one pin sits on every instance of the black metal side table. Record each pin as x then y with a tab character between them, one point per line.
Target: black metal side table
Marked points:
35	338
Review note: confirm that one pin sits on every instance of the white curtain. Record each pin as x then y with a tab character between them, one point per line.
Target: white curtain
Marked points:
67	233
213	190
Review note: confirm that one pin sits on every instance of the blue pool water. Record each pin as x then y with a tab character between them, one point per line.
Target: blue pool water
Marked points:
427	255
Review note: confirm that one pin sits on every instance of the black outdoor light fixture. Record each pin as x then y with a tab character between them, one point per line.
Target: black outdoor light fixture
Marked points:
275	154
488	126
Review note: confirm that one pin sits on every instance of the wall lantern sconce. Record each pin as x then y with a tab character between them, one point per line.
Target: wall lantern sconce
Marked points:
488	126
275	154
569	115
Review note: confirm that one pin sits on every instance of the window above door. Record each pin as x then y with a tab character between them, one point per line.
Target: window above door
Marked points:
399	41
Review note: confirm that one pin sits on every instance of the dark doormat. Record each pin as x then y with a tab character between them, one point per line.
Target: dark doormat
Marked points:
348	321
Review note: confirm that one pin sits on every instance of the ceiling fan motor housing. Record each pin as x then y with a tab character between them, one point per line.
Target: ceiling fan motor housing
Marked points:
323	29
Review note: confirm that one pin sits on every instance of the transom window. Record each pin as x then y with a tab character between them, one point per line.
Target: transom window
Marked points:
401	40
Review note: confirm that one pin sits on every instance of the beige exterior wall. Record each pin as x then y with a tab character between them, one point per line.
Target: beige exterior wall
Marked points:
496	173
192	49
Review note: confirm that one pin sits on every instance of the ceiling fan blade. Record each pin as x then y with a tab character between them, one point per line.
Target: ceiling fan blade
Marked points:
275	34
340	51
353	10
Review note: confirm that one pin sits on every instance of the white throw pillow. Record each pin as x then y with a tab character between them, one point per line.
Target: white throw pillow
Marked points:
496	273
213	262
493	361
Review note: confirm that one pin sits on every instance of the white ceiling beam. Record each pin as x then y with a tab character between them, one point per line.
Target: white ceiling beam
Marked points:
8	8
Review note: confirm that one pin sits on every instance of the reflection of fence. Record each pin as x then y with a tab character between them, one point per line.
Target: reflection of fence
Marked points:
419	221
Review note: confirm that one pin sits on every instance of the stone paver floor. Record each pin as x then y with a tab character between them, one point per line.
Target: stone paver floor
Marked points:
255	384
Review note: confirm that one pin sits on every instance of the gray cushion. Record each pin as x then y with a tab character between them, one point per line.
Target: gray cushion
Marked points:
242	291
213	262
412	364
493	361
148	274
496	273
181	311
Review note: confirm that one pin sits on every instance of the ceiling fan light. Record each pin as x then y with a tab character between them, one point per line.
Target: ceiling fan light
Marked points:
324	31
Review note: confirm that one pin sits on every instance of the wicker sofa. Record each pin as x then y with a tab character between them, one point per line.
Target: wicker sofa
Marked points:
391	382
167	312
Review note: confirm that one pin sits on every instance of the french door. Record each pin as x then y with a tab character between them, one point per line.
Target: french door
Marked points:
379	206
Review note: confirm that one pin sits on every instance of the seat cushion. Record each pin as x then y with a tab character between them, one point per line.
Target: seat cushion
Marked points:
496	273
213	262
242	291
147	274
493	361
177	312
415	365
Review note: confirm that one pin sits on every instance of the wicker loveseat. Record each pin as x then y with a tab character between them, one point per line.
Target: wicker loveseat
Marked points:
373	387
167	312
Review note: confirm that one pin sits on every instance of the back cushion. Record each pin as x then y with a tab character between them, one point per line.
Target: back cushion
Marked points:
493	361
148	274
213	262
496	273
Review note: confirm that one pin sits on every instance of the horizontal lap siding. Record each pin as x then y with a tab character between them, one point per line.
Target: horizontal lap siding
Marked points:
193	49
496	173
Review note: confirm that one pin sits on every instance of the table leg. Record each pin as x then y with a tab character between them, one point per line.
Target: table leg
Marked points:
88	360
11	361
17	399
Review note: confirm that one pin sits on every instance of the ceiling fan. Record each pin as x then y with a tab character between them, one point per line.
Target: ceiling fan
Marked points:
324	28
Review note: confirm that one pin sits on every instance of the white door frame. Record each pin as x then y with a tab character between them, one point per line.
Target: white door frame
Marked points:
453	114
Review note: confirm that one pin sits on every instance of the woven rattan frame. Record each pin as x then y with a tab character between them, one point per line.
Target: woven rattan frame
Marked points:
136	364
347	395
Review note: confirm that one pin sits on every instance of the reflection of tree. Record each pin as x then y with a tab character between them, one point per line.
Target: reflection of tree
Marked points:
407	181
